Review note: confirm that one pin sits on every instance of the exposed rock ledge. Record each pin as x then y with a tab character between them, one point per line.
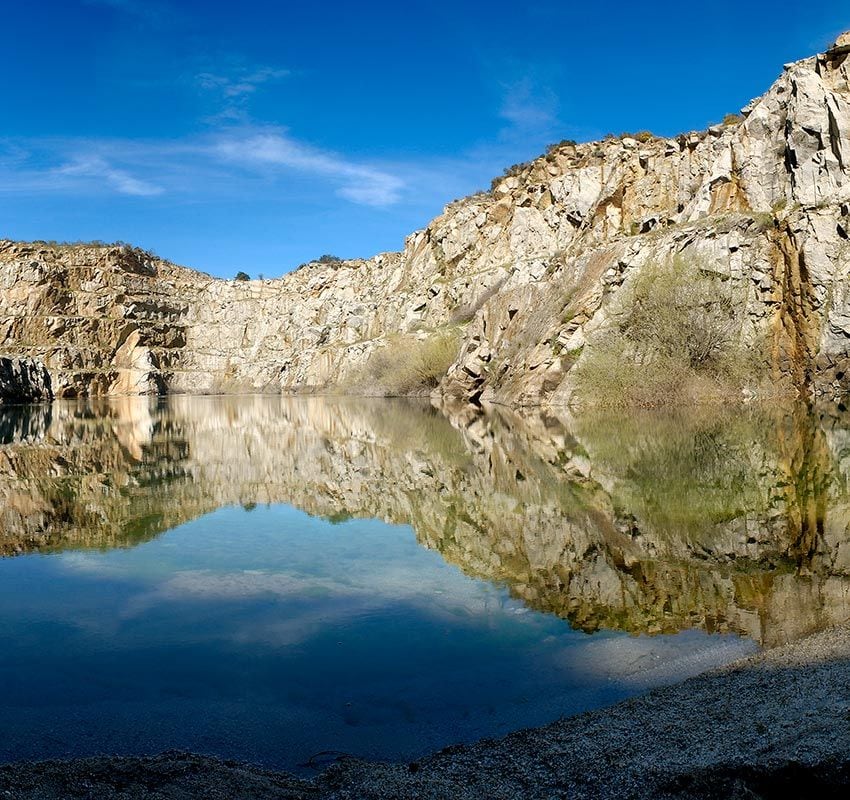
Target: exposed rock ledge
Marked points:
777	721
528	273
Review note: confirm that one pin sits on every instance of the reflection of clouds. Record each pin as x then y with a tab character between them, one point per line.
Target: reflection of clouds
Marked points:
640	662
91	563
312	581
440	592
325	583
242	585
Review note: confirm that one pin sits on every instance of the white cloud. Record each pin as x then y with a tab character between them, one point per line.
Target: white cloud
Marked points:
358	183
529	108
120	181
222	161
236	154
231	86
242	83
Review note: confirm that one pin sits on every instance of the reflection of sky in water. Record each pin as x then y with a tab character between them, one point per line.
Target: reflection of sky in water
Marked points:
270	635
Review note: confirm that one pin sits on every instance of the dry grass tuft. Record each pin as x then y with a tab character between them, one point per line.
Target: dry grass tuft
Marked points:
407	366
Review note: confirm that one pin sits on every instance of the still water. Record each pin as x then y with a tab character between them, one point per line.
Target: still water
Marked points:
269	578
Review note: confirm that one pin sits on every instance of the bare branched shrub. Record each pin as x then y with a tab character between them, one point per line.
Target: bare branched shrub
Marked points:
681	313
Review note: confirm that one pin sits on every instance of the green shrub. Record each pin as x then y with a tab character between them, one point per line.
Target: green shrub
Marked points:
326	259
640	136
680	313
242	276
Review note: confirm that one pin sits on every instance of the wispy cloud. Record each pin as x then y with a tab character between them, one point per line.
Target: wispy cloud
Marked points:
98	169
529	108
236	156
221	160
265	148
71	167
275	148
244	82
231	88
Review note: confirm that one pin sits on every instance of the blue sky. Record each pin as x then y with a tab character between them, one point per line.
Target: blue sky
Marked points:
257	135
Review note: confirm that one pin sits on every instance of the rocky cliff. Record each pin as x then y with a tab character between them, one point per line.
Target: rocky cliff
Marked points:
652	523
23	380
527	276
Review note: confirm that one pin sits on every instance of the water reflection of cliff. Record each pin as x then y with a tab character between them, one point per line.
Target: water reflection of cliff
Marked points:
649	523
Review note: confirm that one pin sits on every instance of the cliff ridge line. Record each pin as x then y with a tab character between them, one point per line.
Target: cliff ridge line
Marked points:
525	281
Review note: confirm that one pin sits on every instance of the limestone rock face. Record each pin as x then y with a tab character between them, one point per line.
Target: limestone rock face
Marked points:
528	272
114	320
23	380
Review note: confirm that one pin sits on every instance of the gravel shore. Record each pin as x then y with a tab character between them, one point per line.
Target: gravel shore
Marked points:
776	721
